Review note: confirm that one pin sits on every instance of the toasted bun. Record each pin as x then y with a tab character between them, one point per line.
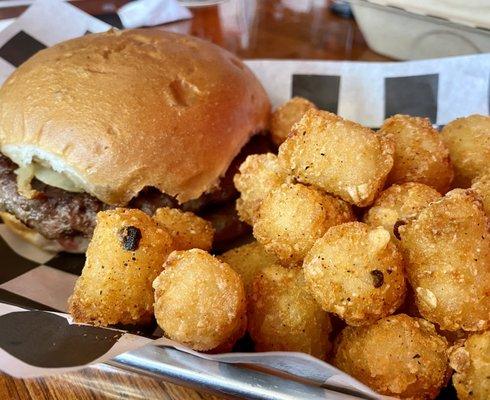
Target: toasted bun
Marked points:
75	245
118	111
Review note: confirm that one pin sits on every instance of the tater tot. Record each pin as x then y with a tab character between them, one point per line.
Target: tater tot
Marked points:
126	253
188	231
283	316
338	156
420	154
293	216
199	300
356	272
470	360
447	250
481	186
468	141
397	356
248	260
398	203
259	174
285	116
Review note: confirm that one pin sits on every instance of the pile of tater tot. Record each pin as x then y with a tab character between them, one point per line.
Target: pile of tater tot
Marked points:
370	250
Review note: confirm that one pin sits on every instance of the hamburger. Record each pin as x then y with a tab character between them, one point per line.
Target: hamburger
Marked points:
138	118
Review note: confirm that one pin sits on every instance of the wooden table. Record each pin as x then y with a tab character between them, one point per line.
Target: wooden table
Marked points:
263	29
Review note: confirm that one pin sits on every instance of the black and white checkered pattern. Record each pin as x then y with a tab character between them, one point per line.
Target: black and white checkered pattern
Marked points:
36	336
34	275
412	95
321	90
39	27
368	93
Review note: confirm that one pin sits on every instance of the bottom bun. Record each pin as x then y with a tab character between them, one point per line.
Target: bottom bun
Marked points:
72	245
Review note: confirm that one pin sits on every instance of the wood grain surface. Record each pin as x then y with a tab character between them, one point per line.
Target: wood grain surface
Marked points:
250	29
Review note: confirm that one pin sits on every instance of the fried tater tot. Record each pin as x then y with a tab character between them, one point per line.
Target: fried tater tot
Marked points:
397	356
125	255
283	316
356	272
447	250
285	116
259	174
399	203
481	186
338	156
248	260
420	154
188	231
470	360
199	300
468	141
293	216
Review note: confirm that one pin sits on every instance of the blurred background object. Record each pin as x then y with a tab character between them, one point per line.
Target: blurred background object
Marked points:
341	7
199	3
313	29
136	14
284	29
420	29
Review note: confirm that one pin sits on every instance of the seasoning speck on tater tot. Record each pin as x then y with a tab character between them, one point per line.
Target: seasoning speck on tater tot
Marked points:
188	231
258	175
447	251
285	116
356	272
420	154
293	216
481	186
199	300
470	360
468	141
338	156
398	203
283	316
397	356
125	255
248	260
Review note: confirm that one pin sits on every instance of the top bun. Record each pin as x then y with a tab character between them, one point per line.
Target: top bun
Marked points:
118	111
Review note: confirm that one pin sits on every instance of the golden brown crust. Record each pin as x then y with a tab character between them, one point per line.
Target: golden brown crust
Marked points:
420	154
468	141
338	156
397	356
481	186
258	175
188	231
199	301
447	252
293	216
123	110
285	116
125	255
470	360
283	316
248	260
399	203
356	272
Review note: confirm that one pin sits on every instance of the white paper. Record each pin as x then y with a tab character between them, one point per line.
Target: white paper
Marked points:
463	84
152	12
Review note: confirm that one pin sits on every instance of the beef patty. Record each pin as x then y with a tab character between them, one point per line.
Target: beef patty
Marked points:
58	214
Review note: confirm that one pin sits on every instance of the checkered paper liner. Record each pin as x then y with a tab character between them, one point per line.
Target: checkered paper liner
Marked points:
38	338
